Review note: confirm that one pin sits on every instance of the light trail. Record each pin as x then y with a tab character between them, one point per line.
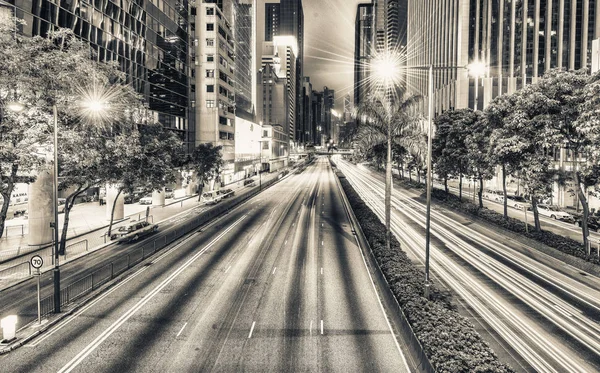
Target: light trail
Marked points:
526	336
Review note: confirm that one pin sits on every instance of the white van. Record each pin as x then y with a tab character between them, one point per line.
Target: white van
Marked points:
211	198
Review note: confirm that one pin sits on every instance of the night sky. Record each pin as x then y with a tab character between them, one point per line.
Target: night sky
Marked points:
329	34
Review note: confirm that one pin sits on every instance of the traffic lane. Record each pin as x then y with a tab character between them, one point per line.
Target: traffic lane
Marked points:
239	351
264	321
21	299
531	313
82	330
356	333
201	341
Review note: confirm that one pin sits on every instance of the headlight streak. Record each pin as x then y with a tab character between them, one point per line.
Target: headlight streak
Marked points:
530	293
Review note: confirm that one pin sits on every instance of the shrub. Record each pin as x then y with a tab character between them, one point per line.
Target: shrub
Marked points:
448	339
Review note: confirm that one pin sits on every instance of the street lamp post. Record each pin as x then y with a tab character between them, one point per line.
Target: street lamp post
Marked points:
475	69
259	165
56	270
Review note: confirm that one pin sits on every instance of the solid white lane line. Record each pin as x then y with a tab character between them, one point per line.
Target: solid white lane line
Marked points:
227	269
310	328
322	243
127	315
321	327
321	270
251	329
274	269
183	327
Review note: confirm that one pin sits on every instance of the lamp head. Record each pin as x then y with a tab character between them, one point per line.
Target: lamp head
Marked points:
477	69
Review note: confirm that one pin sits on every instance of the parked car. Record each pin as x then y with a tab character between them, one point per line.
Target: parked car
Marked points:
593	222
133	231
147	200
493	195
518	202
249	182
554	212
169	193
226	193
211	198
131	198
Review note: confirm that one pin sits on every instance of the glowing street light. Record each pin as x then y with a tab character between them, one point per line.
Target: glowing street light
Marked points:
477	69
385	68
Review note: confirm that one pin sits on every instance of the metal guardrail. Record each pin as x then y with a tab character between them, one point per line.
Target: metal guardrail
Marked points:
20	227
121	264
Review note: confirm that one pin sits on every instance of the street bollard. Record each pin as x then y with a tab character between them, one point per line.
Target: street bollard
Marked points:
9	327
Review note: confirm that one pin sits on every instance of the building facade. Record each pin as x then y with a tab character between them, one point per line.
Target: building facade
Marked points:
215	87
363	44
149	40
517	40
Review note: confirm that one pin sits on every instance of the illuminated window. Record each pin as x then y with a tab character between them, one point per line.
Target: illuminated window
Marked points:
210	103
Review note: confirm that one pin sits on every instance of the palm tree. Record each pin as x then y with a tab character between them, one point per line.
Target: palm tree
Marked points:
388	115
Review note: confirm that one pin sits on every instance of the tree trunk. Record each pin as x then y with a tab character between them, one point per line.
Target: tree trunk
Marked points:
460	187
418	175
10	186
480	192
586	213
536	215
112	212
504	191
402	170
68	206
446	184
410	175
200	189
388	189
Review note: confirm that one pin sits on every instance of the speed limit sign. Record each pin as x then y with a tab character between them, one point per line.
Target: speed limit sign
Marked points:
36	261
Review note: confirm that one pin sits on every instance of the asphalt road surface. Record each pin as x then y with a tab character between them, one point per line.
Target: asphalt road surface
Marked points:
539	314
277	284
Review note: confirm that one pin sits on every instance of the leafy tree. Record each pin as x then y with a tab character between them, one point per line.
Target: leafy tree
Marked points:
477	141
378	153
571	114
58	76
506	144
449	149
529	122
399	153
207	162
388	116
144	158
22	134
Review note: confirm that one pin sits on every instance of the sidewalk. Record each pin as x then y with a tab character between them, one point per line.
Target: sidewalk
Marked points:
87	228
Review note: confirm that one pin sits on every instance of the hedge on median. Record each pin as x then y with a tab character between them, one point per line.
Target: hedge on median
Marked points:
450	342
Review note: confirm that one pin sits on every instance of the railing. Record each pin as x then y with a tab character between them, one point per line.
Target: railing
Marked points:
14	228
121	264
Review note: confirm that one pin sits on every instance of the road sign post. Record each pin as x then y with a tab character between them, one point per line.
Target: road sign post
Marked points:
37	262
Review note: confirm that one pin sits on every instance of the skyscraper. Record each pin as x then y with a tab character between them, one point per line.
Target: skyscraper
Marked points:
284	25
517	40
363	49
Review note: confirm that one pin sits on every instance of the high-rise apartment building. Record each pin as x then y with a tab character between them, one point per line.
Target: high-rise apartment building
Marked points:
149	40
517	40
215	87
